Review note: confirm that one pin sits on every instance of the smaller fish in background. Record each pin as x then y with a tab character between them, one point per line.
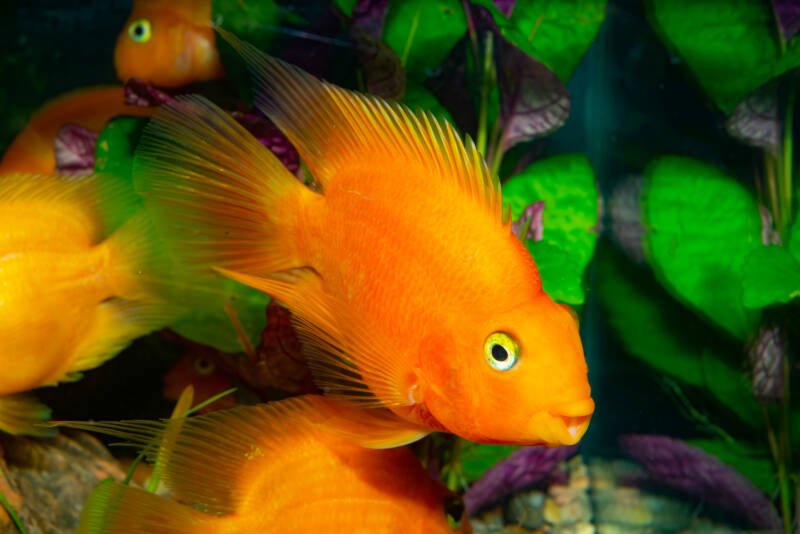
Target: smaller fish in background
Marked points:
199	367
280	467
73	292
32	150
169	43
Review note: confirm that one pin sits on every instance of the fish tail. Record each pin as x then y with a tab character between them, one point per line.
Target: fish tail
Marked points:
220	198
116	508
20	414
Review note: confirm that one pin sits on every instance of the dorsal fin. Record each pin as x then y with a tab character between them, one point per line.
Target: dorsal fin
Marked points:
336	130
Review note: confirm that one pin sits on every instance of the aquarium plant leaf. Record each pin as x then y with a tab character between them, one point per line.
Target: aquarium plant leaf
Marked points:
347	6
691	470
369	15
771	275
115	148
450	86
382	69
754	463
731	47
505	6
656	329
255	21
422	32
566	185
767	357
74	148
418	97
555	32
271	137
700	226
523	468
209	320
144	94
530	225
533	101
755	120
625	211
788	14
477	458
794	238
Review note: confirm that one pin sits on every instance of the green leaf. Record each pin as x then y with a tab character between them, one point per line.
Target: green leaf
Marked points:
567	186
114	153
661	333
422	32
752	462
770	276
556	32
794	238
731	47
700	226
209	323
417	97
476	458
347	6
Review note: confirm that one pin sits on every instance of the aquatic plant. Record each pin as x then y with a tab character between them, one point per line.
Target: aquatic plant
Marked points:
717	291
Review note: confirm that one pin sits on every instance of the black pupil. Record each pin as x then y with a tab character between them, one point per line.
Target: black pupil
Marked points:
138	31
499	353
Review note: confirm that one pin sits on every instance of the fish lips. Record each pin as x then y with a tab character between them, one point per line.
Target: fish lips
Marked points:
563	424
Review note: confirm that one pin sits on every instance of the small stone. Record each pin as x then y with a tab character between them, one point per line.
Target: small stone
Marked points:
526	509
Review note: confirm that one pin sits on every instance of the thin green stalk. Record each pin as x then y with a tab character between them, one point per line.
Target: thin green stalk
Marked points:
785	171
770	181
785	451
486	80
12	513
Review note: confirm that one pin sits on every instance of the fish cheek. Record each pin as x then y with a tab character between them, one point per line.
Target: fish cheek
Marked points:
442	386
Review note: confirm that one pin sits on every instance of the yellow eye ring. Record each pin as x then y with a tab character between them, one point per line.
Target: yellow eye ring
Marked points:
501	351
203	367
140	31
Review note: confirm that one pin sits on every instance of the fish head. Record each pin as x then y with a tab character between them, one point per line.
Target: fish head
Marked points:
163	44
518	377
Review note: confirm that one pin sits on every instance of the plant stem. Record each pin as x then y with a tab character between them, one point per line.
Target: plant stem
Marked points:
486	79
785	451
12	514
785	171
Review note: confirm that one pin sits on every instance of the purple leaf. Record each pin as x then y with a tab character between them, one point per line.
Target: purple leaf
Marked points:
788	14
449	85
532	219
74	148
506	6
766	358
522	469
144	94
533	101
369	16
755	120
271	137
383	70
695	472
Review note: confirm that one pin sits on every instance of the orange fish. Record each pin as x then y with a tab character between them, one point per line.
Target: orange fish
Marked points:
168	43
32	150
71	295
283	467
410	293
198	367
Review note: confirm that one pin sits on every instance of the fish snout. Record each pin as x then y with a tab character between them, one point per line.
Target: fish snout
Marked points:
574	417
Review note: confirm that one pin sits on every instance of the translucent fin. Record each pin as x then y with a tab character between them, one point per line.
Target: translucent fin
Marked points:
113	508
115	324
211	456
352	365
218	196
20	414
338	131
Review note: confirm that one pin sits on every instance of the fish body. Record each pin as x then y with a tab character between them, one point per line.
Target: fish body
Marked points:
32	149
278	467
169	43
71	296
409	290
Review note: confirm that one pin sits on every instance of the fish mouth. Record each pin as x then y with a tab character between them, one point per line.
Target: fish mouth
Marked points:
564	424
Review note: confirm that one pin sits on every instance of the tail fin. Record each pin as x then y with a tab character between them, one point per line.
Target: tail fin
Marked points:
115	508
220	198
19	414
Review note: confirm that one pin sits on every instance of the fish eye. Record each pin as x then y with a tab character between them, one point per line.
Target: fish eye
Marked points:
203	367
501	351
140	31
